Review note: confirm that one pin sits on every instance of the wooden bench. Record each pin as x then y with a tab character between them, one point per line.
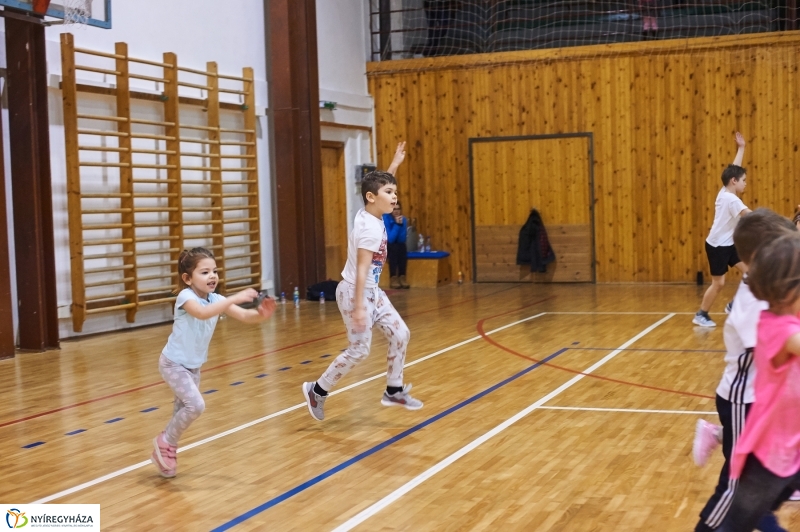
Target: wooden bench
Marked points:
496	255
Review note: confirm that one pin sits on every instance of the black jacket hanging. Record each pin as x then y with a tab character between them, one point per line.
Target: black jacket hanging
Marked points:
534	246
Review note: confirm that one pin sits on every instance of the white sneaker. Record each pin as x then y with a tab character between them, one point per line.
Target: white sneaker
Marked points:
402	398
703	321
795	496
706	439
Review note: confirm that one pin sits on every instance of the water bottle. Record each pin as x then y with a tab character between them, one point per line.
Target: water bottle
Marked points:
283	297
428	245
296	296
322	298
421	242
460	278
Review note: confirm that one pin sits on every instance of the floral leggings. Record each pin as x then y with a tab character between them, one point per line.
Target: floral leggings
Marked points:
381	314
189	403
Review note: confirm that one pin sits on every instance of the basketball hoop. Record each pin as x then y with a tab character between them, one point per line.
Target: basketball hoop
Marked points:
77	12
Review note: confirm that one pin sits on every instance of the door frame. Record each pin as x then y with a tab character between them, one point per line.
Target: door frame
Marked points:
585	134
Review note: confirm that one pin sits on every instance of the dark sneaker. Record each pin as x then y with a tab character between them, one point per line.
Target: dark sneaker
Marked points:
729	307
315	403
402	398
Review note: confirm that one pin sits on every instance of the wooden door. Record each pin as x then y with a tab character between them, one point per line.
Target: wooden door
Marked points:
334	208
512	176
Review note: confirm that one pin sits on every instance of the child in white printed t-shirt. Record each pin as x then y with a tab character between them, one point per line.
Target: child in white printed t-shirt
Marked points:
364	305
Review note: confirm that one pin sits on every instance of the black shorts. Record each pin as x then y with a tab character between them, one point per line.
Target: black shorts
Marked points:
719	258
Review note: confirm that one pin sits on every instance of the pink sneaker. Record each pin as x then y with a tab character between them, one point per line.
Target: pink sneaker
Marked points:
795	496
164	456
706	439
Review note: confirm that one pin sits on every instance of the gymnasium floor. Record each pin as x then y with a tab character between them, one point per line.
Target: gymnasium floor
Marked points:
504	442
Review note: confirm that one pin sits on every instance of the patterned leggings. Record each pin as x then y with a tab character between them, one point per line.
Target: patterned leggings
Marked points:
381	314
189	403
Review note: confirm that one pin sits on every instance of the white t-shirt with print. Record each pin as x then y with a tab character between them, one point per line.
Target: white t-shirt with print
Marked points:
740	334
188	343
368	233
726	215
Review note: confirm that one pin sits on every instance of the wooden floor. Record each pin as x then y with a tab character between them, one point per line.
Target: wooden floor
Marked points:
503	443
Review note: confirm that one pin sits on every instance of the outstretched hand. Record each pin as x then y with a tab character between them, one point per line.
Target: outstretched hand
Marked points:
740	140
267	307
399	154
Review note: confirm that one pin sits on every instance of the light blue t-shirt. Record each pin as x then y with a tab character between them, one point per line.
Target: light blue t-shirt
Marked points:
188	343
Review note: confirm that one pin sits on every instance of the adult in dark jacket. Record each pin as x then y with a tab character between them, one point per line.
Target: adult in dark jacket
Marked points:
396	230
534	246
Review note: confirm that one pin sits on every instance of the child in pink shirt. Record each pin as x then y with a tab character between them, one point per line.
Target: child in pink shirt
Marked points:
766	459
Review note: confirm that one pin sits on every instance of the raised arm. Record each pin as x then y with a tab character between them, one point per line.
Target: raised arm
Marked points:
740	151
399	157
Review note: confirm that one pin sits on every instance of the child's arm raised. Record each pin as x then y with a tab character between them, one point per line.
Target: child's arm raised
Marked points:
399	157
253	315
359	315
196	310
740	151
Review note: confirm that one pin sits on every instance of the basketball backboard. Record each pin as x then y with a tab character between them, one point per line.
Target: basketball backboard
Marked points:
99	10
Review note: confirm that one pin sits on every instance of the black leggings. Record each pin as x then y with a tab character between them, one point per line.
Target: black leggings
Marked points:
398	258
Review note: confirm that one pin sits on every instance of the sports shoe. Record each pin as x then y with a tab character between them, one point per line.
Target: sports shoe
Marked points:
706	439
729	307
795	496
703	320
164	456
401	398
314	402
769	523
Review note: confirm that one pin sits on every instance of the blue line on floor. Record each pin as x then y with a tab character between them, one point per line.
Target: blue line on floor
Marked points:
146	410
262	375
284	369
114	420
344	465
237	383
32	445
325	356
74	432
306	362
208	392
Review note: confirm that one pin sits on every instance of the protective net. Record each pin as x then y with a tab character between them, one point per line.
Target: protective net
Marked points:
402	29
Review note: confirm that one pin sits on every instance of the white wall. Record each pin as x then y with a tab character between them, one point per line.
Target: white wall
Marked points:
198	31
342	40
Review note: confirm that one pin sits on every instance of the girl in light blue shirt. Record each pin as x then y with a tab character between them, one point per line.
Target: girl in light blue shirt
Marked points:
197	310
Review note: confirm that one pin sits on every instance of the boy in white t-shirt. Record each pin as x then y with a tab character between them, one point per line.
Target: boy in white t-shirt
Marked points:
364	305
735	392
719	244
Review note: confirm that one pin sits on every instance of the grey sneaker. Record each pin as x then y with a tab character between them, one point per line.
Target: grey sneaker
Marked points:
403	399
729	307
314	402
703	320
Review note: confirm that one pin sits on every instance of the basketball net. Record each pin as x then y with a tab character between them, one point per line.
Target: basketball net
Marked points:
77	13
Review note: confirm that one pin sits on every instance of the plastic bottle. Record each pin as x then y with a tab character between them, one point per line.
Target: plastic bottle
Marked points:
428	245
322	298
460	278
296	296
283	297
421	242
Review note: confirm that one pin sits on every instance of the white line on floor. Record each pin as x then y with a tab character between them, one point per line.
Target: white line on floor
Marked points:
139	465
631	410
413	483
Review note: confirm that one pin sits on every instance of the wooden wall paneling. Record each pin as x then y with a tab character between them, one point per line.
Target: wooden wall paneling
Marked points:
215	188
70	112
126	202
